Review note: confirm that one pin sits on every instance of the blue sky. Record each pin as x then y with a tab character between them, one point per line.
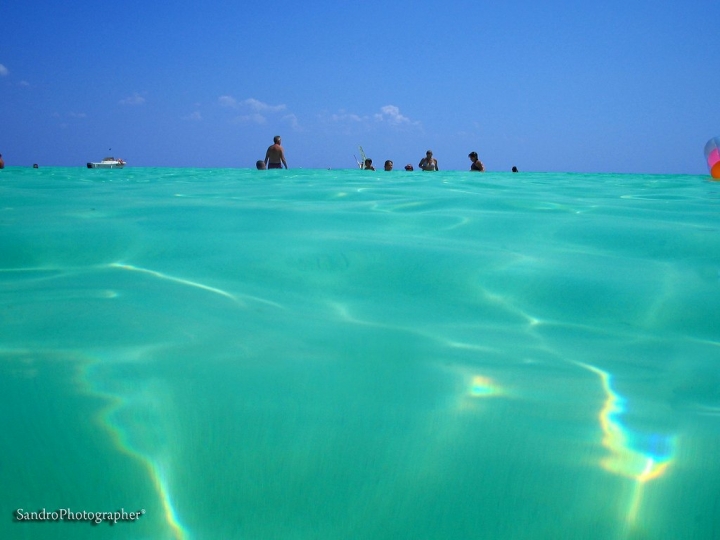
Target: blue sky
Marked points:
618	86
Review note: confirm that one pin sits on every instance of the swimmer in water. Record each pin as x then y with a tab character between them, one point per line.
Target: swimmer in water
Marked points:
476	165
429	163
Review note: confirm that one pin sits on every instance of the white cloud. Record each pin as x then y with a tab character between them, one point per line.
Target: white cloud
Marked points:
196	116
135	99
3	70
256	105
24	83
77	115
228	101
293	121
253	104
391	115
256	111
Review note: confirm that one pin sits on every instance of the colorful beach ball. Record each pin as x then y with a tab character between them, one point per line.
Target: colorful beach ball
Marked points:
712	155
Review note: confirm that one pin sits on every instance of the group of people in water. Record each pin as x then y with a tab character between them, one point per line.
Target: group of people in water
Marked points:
275	159
428	163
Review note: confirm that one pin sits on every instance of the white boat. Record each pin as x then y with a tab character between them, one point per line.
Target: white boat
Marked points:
108	163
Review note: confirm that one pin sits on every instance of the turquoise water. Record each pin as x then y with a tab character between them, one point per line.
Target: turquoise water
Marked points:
313	354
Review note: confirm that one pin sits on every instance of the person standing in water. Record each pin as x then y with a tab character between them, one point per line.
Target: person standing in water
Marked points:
477	165
2	163
429	163
275	155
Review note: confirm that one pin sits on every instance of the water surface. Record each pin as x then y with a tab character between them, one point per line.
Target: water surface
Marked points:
312	354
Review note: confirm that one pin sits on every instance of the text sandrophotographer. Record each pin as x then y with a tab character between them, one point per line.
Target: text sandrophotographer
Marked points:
66	514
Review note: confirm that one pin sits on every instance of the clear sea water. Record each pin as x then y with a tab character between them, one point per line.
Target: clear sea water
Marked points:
312	354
